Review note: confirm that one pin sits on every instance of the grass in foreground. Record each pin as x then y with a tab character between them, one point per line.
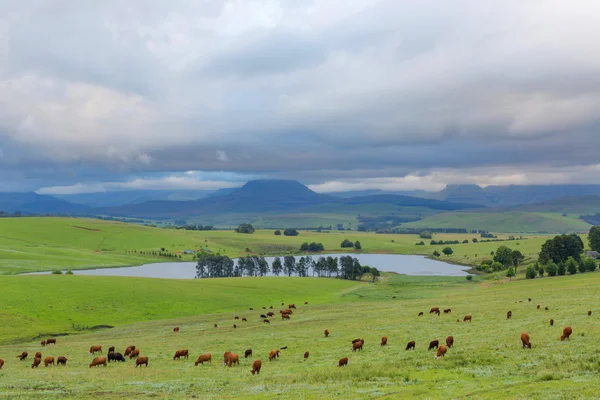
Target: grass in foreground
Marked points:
487	361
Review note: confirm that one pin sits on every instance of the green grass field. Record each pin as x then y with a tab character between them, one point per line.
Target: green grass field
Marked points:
41	244
486	362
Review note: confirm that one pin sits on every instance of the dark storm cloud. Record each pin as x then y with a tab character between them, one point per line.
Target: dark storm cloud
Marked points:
323	91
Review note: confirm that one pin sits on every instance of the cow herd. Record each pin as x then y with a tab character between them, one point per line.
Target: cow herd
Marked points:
230	359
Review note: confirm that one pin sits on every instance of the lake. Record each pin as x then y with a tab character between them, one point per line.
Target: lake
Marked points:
402	264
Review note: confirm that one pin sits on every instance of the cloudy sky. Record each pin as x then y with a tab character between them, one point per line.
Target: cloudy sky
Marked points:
339	94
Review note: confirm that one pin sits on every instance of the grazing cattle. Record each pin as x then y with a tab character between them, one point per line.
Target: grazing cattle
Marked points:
236	318
343	362
115	357
509	315
264	308
129	350
306	354
134	353
306	303
383	340
273	354
23	356
393	297
326	333
141	361
538	306
181	353
176	329
204	358
551	322
282	304
450	341
447	311
433	344
283	348
95	349
98	361
50	341
266	321
286	311
467	318
1	363
458	320
291	306
357	345
38	354
256	366
48	360
234	326
36	362
111	349
589	313
357	340
43	343
566	333
244	320
410	345
270	314
434	310
231	359
420	314
441	351
263	316
546	308
215	325
248	353
285	316
271	307
62	360
525	340
251	309
529	299
438	313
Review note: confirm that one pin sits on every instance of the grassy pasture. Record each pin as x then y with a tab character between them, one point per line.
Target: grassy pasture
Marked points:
486	362
37	244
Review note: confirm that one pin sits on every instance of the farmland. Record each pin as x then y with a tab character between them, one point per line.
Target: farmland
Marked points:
486	362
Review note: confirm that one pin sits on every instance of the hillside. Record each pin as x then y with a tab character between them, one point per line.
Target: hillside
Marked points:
29	202
569	205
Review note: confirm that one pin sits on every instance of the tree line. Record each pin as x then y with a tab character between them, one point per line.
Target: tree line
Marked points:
345	267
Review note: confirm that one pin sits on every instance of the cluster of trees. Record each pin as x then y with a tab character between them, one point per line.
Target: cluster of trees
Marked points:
348	244
197	227
287	232
446	250
417	231
570	266
161	253
245	228
504	259
560	248
446	242
218	266
312	247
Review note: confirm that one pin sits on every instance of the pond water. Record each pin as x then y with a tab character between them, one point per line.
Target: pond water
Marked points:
402	264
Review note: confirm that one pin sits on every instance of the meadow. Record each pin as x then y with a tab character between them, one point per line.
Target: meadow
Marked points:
487	360
42	244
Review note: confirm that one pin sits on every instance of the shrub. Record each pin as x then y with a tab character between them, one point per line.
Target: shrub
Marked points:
304	247
465	241
290	232
346	244
433	242
571	266
530	273
551	269
436	253
277	232
469	277
357	245
447	251
425	235
420	243
57	272
590	264
69	272
581	266
562	270
541	272
496	266
245	228
475	240
510	273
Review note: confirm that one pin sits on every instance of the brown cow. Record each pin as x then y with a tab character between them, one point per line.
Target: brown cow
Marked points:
467	318
589	313
271	307
433	344
95	349
23	356
358	340
111	349
420	314
48	360
38	354
50	341
285	316
62	360
529	299
263	316
410	345
525	340
306	303
306	354
383	340
357	345
98	361
566	333
129	350
236	318
204	358
441	351
546	308
393	297
538	306
134	353
447	311
215	325
343	362
326	333
234	326
231	359
291	306
248	353
270	314
273	354
181	353
551	322
176	329
264	308
251	309
43	343
1	363
36	362
141	361
509	315
434	310
266	321
244	320
256	366
450	341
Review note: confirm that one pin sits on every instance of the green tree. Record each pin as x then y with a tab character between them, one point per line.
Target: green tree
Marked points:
304	247
436	253
475	240
503	255
590	264
277	232
581	266
346	244
374	274
497	266
571	265
290	232
447	251
357	245
245	228
289	265
560	248
517	258
425	235
510	273
552	269
541	271
469	277
276	267
594	238
562	270
530	273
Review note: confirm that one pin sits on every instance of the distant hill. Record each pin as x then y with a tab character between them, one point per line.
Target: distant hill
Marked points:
375	192
119	198
30	202
579	205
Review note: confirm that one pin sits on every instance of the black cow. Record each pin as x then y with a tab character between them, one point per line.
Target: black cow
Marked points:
115	357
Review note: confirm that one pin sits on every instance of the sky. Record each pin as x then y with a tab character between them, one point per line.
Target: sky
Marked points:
338	94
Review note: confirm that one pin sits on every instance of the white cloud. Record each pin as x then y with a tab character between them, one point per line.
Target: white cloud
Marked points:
222	156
